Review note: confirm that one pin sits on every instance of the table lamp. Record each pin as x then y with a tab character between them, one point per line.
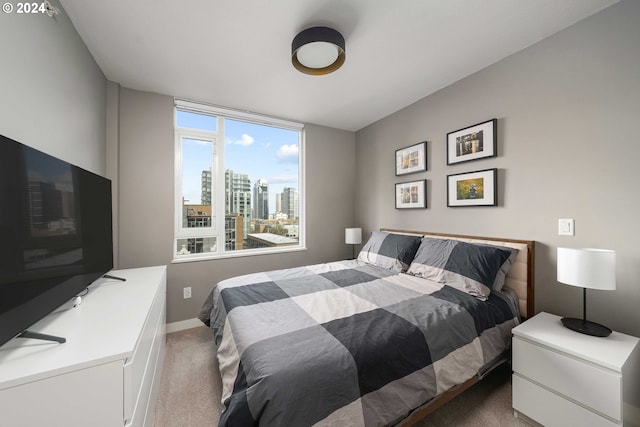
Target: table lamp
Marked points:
353	237
587	268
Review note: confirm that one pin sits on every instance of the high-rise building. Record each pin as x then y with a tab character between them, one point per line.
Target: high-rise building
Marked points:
261	199
290	202
238	198
278	203
232	236
196	216
206	187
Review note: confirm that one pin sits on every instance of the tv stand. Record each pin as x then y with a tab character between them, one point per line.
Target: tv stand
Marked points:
39	336
108	372
108	276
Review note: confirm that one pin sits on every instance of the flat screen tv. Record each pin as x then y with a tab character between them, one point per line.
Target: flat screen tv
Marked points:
55	234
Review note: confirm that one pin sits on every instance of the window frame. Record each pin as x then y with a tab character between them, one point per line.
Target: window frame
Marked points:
217	138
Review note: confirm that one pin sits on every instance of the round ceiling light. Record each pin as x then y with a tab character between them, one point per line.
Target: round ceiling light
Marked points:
318	51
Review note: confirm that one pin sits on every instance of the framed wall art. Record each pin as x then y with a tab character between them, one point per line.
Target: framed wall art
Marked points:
411	195
478	188
473	142
411	159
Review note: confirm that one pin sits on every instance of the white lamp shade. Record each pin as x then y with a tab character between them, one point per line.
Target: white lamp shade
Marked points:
587	268
353	236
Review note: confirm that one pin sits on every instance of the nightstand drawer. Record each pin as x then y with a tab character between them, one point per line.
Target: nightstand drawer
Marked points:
550	409
594	387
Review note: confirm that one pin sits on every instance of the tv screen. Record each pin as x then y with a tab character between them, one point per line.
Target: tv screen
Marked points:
55	234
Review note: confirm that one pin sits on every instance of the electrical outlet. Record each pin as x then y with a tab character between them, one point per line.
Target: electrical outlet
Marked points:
186	292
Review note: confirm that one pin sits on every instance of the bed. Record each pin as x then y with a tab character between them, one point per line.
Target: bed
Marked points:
380	340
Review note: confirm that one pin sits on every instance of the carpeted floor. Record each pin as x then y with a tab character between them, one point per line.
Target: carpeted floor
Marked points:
190	387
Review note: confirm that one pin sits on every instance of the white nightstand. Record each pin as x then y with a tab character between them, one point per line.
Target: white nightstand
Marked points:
564	378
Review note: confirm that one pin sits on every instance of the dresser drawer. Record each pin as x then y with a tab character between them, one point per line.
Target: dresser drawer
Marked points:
550	409
137	368
593	386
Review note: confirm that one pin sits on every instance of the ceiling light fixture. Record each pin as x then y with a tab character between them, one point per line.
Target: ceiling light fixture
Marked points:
318	51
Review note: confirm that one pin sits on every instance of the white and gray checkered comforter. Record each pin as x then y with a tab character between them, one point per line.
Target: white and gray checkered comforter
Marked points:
346	343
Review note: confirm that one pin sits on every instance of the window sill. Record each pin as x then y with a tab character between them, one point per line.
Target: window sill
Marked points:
236	254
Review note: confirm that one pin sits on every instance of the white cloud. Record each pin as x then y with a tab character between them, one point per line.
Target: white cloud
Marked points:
245	140
288	152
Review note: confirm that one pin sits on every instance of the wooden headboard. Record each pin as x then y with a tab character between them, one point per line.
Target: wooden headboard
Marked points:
520	276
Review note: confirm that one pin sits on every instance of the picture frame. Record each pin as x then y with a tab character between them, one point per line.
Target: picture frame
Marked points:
477	188
411	195
411	159
473	142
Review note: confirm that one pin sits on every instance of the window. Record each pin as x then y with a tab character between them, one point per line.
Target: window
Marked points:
239	185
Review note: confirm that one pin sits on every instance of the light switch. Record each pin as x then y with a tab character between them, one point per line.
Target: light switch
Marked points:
566	227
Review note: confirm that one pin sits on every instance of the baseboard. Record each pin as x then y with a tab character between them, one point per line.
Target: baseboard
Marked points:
183	324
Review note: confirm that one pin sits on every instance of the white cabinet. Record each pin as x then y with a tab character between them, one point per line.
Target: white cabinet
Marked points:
106	374
564	378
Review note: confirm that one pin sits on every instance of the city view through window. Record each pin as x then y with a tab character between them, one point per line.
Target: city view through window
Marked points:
239	185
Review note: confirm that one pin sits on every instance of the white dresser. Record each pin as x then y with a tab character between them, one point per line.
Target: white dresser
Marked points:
106	374
565	378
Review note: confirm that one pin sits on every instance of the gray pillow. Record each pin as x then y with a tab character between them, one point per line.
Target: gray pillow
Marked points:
471	268
392	251
501	276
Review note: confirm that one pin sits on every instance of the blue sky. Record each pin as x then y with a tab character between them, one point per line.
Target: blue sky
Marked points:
257	150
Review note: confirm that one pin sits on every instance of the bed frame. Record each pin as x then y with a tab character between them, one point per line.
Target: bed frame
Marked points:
519	278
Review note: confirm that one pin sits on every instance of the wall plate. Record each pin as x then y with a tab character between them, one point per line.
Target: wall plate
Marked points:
566	227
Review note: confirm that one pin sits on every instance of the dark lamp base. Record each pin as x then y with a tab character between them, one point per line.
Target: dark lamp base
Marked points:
586	327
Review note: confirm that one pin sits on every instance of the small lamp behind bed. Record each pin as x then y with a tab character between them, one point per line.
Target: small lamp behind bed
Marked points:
353	237
587	268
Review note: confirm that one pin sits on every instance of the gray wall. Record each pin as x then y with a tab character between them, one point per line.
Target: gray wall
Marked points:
145	146
567	110
53	93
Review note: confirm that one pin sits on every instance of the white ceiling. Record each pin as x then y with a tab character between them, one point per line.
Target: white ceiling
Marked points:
237	53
